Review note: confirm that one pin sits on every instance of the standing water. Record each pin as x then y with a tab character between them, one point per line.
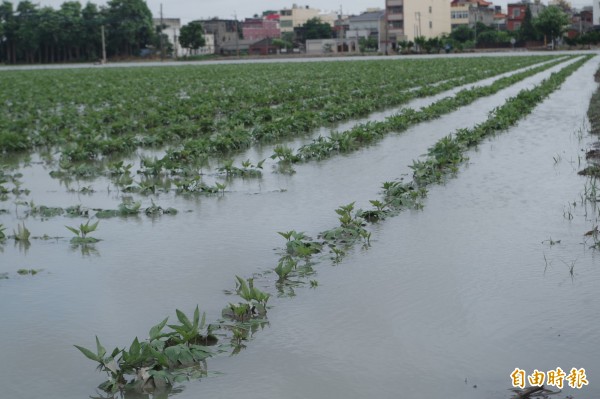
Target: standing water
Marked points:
446	303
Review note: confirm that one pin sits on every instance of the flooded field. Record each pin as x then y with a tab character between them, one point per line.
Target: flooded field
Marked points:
493	274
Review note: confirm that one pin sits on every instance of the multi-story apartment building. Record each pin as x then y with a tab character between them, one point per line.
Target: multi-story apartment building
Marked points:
225	31
261	28
408	19
290	18
516	13
171	28
469	12
368	24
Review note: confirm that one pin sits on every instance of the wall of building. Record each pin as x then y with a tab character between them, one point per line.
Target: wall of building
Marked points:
428	18
171	29
224	31
459	15
596	12
209	47
261	29
332	46
290	18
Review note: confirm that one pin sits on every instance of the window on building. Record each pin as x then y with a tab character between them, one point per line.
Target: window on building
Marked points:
430	24
286	24
396	10
430	10
396	24
516	13
459	14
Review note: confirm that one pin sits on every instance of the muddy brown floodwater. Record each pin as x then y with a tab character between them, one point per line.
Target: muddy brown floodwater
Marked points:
452	297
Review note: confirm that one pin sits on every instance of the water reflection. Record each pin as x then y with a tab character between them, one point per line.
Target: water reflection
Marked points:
85	250
23	246
162	393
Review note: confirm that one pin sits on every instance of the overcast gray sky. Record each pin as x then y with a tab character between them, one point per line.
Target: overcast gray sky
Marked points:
198	9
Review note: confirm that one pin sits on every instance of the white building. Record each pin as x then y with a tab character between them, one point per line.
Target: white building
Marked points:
408	19
596	12
209	46
171	28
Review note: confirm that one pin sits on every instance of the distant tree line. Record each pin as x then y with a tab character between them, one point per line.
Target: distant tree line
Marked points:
550	24
30	34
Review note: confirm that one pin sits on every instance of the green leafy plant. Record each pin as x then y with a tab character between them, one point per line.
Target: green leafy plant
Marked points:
22	233
299	244
108	364
163	360
221	187
351	226
191	331
25	272
246	290
284	154
285	266
82	233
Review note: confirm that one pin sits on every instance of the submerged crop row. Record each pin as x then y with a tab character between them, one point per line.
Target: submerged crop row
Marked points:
359	135
180	354
89	114
153	179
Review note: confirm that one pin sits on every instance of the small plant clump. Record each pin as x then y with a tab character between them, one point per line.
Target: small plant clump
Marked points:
164	359
22	233
351	228
82	233
31	272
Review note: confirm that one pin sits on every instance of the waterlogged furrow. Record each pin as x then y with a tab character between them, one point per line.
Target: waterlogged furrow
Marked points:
180	354
184	181
294	119
371	132
233	108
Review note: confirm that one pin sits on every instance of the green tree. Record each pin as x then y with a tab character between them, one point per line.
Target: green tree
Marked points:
8	47
420	43
191	36
314	28
527	31
27	33
129	26
49	30
92	21
552	22
282	44
72	29
367	44
462	33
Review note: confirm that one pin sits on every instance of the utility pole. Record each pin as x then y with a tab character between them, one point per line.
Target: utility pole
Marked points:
476	14
103	45
175	43
386	26
237	36
417	29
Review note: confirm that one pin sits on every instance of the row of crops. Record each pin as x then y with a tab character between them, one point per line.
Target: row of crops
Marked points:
85	123
212	109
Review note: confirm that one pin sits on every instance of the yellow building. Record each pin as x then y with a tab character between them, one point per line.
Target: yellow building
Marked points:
408	19
290	18
460	14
